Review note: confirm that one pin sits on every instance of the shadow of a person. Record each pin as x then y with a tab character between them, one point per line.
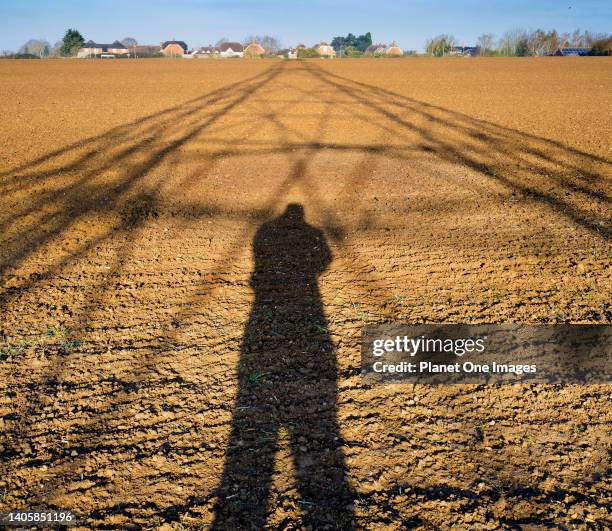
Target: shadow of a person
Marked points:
287	386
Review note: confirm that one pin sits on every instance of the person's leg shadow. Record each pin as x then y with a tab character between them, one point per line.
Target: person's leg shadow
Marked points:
287	386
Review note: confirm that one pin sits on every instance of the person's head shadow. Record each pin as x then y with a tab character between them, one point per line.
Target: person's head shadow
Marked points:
289	255
287	387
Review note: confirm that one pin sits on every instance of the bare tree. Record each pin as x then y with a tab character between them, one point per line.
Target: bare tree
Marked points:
564	39
510	40
221	41
269	43
485	41
39	47
440	45
129	42
551	41
55	50
536	43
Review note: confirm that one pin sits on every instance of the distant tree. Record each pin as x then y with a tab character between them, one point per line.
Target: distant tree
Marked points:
440	45
55	49
339	43
509	42
269	43
537	43
564	39
602	46
71	43
577	39
504	46
522	47
307	53
542	43
551	41
591	38
351	51
360	43
38	47
518	42
363	42
221	41
129	42
6	53
485	41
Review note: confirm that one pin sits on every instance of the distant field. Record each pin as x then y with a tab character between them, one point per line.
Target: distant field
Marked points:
151	293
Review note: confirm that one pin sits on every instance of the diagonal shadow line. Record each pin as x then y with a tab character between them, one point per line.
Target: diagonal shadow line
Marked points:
502	142
99	193
498	138
142	169
385	94
495	131
132	175
171	147
449	152
124	130
153	136
75	188
499	145
475	126
149	363
197	130
154	133
334	229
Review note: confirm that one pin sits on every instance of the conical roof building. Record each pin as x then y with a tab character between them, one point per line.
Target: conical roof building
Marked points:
394	49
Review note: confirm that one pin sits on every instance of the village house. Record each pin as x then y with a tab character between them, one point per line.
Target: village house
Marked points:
325	50
146	50
465	51
394	49
560	52
254	49
288	53
93	49
206	52
173	48
376	49
231	49
384	49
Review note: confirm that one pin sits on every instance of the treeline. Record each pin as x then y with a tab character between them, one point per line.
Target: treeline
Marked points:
522	43
357	43
67	47
34	49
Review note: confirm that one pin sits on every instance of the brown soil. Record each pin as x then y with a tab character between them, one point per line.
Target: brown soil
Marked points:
178	344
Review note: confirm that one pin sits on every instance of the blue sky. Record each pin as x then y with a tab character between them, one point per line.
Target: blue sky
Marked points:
200	22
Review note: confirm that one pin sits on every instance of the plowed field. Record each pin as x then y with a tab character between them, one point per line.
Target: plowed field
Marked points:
189	251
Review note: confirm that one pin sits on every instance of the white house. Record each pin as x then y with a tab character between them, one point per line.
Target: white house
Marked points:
231	49
325	50
206	52
289	53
